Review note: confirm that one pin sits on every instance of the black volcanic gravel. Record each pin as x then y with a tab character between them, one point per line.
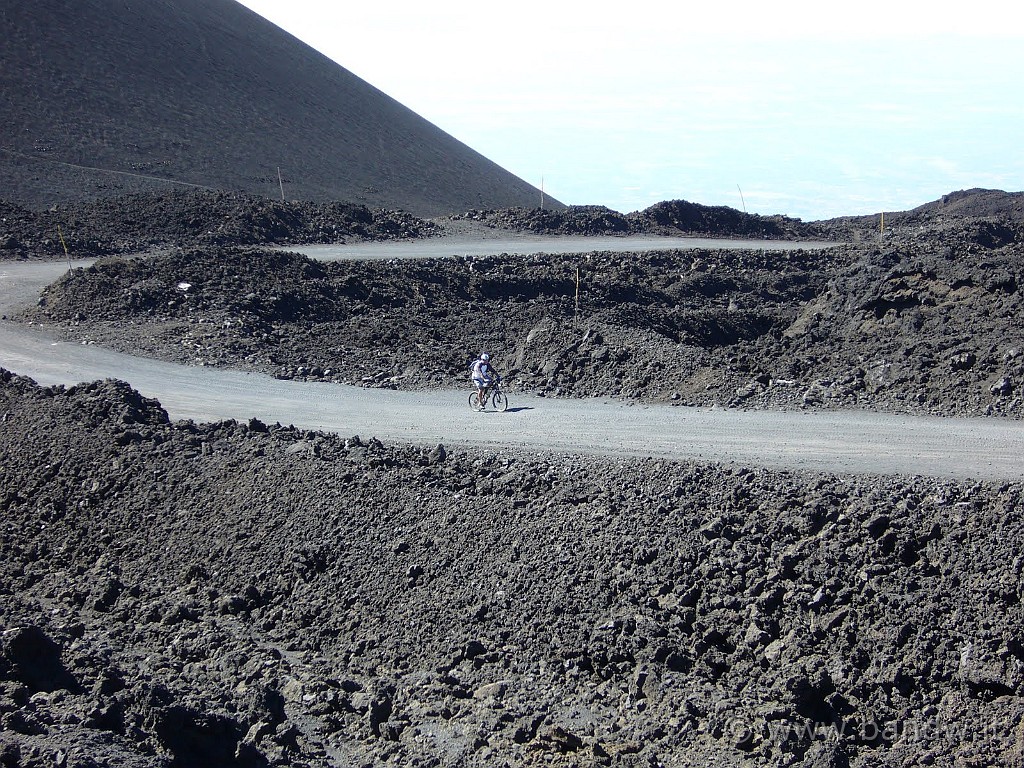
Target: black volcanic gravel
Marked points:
245	594
139	222
250	594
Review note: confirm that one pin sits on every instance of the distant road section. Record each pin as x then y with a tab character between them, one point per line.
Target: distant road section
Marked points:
528	245
842	442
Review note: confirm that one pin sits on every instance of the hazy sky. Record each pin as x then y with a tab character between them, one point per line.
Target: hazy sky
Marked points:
810	109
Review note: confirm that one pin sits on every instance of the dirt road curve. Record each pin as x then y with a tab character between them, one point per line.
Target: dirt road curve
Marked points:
858	442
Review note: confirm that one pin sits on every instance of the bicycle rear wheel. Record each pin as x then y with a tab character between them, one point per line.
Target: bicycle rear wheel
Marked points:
473	402
499	401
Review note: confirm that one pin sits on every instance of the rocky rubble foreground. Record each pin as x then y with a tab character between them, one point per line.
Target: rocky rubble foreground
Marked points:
916	324
181	594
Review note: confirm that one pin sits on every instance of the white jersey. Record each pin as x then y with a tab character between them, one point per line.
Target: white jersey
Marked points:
481	371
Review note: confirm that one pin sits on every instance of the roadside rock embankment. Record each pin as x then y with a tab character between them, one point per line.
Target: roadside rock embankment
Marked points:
241	593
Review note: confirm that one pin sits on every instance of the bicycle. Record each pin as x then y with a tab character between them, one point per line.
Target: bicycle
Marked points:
498	399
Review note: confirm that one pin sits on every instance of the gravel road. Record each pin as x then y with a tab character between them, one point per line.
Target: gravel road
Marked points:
479	244
855	442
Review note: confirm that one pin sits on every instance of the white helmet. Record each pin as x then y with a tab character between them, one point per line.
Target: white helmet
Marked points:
484	356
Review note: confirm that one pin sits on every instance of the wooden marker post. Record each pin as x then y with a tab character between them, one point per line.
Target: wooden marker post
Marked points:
65	245
576	313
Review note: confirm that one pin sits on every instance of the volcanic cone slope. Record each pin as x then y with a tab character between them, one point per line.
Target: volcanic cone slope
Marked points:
104	98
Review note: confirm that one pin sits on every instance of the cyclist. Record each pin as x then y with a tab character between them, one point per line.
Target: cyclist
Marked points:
483	373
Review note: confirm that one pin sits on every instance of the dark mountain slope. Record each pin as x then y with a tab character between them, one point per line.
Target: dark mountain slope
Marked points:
205	92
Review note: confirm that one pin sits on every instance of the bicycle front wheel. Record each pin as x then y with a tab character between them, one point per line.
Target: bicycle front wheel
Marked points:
499	401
